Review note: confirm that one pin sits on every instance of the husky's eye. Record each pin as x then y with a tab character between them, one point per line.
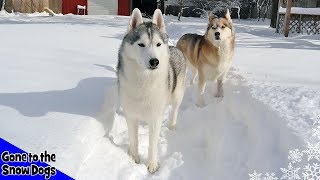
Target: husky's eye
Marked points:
159	44
223	27
214	27
141	45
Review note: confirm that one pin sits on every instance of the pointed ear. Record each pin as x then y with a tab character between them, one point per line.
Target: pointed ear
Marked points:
211	16
135	19
227	16
158	20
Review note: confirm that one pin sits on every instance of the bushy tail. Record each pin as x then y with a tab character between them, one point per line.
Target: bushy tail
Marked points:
109	108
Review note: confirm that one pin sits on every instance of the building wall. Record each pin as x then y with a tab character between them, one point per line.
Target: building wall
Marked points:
70	6
124	7
102	7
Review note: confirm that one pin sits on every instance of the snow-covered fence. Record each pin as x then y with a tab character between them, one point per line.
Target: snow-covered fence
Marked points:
297	19
26	6
55	6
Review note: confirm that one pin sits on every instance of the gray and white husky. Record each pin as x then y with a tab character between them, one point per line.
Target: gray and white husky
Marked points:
151	75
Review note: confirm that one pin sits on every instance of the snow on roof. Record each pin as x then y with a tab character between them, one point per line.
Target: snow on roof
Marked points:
299	10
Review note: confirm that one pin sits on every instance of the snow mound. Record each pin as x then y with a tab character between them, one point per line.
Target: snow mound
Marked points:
204	145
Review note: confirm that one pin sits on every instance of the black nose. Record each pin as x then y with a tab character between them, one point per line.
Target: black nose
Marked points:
217	34
154	62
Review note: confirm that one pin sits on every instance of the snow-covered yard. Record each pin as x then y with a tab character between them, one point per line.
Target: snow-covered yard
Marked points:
56	73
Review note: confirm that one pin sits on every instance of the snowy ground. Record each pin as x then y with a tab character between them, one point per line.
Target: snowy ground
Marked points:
57	71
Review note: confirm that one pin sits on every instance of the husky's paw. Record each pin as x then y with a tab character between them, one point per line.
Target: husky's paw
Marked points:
201	104
172	127
219	95
153	167
135	158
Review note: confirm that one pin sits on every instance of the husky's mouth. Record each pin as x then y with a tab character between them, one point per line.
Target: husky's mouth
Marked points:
153	68
217	38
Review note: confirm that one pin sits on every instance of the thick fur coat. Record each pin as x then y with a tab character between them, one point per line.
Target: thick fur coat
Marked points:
210	55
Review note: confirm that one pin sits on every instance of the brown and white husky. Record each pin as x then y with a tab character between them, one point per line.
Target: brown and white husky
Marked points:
210	55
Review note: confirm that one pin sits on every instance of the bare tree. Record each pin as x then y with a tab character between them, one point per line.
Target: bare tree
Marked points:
234	4
207	5
202	5
274	13
266	10
181	4
217	5
263	5
2	3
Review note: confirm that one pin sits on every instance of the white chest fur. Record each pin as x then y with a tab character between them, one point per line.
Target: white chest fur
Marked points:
223	64
143	94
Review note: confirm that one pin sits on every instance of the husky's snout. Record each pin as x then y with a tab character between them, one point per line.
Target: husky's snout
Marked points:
154	62
217	35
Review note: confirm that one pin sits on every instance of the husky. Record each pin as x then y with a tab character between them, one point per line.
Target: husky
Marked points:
151	76
210	55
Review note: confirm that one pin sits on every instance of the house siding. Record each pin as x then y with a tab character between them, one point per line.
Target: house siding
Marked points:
102	7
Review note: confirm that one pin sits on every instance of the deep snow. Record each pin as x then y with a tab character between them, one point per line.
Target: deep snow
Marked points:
56	73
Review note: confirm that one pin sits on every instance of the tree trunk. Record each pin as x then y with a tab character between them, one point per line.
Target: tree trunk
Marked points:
180	13
266	10
274	13
1	5
287	18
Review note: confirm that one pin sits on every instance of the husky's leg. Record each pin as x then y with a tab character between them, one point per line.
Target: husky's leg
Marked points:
201	88
220	82
175	107
133	138
219	88
154	133
173	116
194	74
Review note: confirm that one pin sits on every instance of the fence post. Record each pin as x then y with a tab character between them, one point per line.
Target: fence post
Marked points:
287	18
300	23
278	15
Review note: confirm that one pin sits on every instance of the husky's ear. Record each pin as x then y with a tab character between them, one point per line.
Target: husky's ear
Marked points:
135	19
158	20
227	16
211	16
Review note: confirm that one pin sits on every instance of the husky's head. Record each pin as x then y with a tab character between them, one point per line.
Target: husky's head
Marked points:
219	29
146	43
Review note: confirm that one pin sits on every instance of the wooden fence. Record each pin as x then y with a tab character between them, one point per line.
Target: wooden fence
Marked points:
297	19
31	6
56	6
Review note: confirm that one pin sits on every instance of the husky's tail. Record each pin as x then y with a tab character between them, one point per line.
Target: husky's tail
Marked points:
109	108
